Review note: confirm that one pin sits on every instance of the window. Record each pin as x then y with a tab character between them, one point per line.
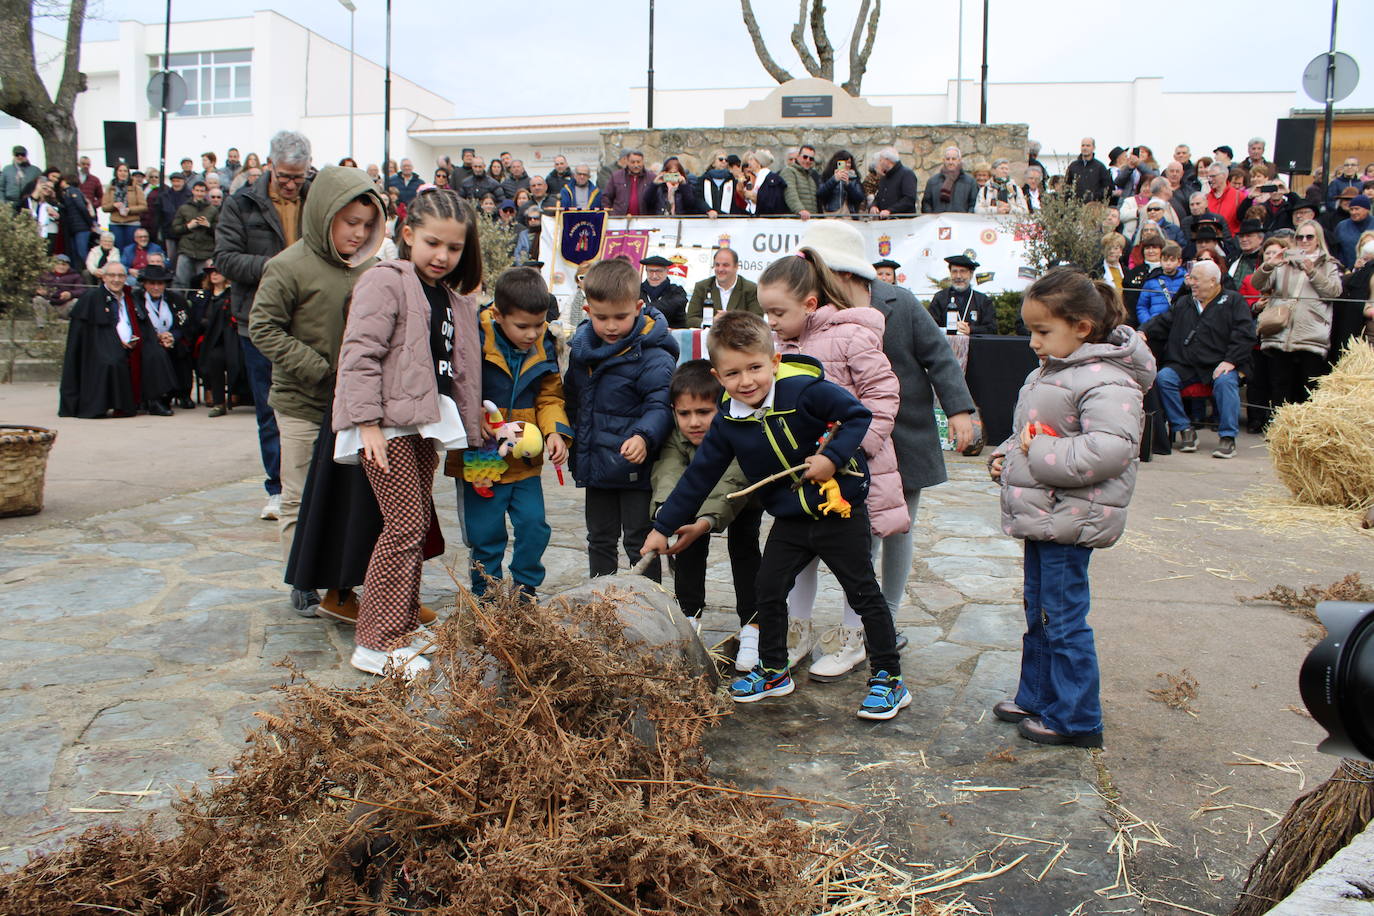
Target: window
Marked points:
217	82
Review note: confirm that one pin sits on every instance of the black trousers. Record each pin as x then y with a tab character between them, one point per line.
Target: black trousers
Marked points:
689	570
844	545
614	515
1291	374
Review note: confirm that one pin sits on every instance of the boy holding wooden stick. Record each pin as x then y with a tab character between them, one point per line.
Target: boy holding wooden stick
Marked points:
775	415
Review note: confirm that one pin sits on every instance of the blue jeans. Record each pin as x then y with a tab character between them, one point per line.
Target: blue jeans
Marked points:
124	235
269	440
1059	679
1225	391
484	521
78	246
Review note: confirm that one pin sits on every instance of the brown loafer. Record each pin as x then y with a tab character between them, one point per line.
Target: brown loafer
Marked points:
1035	730
1008	711
340	605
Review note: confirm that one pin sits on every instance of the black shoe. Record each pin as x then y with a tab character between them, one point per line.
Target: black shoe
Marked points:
902	641
1187	440
1227	448
305	602
159	409
1035	730
186	404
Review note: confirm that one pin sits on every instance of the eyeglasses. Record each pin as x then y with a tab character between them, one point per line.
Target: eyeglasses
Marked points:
283	178
807	158
1154	209
1306	238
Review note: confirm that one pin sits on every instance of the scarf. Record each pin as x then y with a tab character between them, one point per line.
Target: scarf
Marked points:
1001	188
159	313
121	191
947	189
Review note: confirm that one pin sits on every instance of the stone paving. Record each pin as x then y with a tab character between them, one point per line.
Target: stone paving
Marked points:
140	643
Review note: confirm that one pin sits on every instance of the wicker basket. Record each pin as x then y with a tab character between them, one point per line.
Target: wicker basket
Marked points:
23	465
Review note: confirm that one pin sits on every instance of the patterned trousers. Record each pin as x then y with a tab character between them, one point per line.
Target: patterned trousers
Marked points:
390	608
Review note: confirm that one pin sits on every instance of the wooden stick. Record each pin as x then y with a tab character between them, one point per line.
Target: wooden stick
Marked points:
765	481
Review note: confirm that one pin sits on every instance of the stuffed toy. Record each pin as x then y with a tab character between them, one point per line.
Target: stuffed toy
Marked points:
482	467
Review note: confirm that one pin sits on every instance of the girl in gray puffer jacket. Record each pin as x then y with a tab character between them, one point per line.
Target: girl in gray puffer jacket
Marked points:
1067	474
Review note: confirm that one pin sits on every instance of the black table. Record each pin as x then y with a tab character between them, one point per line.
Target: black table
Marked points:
997	368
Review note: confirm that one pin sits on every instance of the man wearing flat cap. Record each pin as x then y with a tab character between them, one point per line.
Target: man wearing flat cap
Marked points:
886	270
959	308
16	176
663	294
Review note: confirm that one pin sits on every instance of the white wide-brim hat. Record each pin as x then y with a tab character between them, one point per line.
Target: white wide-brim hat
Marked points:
840	245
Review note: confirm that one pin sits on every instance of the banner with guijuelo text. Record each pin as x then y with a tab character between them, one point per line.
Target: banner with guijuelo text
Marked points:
919	244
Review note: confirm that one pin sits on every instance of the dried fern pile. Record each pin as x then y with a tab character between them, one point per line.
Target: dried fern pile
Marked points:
537	769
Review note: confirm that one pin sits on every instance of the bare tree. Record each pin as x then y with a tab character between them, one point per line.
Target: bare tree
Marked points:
821	63
22	93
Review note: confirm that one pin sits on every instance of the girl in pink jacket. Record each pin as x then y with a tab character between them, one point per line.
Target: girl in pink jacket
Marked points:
1067	474
810	314
407	388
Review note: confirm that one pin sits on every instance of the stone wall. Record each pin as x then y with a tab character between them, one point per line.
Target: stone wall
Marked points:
920	145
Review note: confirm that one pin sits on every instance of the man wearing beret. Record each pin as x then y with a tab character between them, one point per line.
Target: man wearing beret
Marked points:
887	270
959	308
663	294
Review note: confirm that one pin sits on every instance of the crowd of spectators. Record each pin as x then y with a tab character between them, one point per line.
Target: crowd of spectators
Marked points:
1158	220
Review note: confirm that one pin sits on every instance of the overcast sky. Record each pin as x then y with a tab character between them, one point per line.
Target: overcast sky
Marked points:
559	57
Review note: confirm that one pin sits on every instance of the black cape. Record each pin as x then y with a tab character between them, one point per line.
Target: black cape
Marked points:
95	370
214	339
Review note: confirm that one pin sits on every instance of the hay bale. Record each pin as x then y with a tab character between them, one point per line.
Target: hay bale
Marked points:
1323	450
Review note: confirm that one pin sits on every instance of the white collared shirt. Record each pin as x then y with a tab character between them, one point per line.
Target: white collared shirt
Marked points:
742	410
725	294
122	326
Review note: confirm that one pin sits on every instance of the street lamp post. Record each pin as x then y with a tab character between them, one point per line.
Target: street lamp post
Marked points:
352	10
386	97
649	120
983	103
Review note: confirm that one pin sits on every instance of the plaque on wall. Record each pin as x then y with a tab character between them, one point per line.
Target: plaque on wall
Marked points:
808	106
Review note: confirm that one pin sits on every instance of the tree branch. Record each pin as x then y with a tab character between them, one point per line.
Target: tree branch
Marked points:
752	25
858	58
20	87
73	80
825	51
812	66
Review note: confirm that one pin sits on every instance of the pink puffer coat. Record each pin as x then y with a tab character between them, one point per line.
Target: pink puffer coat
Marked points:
849	344
1074	487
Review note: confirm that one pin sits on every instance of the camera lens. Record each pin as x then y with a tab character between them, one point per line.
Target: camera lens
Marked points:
1337	679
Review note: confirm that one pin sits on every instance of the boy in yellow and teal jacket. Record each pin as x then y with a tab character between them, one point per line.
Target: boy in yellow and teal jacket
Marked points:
520	376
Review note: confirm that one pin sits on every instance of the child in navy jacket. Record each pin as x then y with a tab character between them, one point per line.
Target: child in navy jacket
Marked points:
616	389
774	418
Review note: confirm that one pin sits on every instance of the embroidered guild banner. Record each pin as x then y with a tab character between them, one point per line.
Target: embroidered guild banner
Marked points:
582	235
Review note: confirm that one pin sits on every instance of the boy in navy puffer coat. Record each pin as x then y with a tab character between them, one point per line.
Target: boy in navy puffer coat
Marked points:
616	391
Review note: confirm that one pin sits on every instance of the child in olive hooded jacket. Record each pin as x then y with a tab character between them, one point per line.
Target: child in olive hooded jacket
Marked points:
297	321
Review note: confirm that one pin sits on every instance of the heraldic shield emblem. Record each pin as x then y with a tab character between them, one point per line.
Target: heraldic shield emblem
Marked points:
582	230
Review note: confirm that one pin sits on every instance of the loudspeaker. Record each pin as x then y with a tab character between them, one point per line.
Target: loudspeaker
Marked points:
1293	141
121	143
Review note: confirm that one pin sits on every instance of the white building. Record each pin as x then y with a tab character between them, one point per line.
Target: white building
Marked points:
248	78
257	74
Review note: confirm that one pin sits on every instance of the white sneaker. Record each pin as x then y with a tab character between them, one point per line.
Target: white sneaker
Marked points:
424	641
272	511
748	655
405	659
850	652
801	639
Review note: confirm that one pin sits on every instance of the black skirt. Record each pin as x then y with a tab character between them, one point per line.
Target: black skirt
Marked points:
339	523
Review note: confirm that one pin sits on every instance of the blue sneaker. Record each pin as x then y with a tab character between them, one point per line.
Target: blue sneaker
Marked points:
886	696
759	683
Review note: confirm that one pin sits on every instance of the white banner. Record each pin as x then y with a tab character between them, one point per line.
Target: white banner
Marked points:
919	244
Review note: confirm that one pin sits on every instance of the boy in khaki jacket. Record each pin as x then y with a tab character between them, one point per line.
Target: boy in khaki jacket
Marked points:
695	397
